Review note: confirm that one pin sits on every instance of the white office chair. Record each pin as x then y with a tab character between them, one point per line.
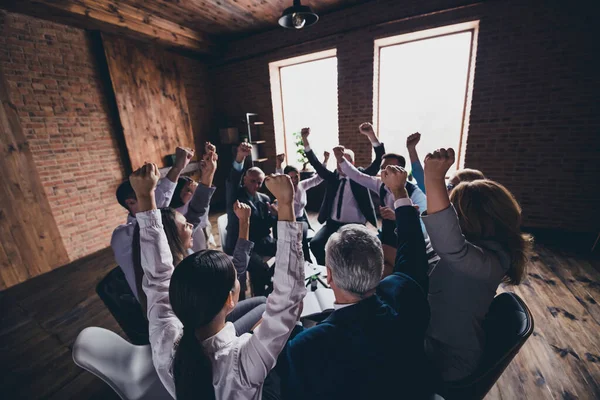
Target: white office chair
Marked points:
126	368
222	228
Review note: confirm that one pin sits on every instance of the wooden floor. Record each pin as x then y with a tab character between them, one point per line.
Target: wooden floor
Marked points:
41	318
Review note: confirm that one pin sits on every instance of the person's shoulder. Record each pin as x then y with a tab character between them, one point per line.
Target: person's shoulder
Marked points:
123	230
263	197
315	335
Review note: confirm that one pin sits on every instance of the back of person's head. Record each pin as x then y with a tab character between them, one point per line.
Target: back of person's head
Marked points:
199	288
355	257
468	175
393	159
176	245
125	192
488	211
176	200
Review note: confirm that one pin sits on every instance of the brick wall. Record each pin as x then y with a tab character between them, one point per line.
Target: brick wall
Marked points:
55	85
535	117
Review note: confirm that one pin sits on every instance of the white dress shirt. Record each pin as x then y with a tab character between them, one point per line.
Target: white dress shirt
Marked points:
240	364
374	183
300	199
350	213
122	237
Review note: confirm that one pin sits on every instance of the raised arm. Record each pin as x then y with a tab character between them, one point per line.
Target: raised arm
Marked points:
322	171
367	181
411	257
235	175
198	206
260	352
367	129
243	246
279	159
157	263
415	163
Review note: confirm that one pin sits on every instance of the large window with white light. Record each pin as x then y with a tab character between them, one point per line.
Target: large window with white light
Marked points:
423	84
304	93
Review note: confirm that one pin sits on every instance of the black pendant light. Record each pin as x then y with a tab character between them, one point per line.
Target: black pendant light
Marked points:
298	16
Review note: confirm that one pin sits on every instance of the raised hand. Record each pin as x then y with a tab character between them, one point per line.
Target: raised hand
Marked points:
183	156
243	151
144	181
305	132
242	211
339	152
281	187
413	140
279	160
366	129
325	157
387	213
209	147
394	177
438	163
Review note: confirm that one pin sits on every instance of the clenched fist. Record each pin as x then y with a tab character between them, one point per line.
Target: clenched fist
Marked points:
366	129
144	180
413	140
438	163
242	211
339	152
281	187
305	132
394	177
244	150
183	156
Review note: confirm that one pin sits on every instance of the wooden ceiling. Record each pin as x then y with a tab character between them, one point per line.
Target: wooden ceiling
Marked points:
186	24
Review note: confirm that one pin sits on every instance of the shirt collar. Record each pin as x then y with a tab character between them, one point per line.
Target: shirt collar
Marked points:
337	306
221	339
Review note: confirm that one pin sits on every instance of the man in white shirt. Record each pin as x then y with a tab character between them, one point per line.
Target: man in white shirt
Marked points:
122	237
345	202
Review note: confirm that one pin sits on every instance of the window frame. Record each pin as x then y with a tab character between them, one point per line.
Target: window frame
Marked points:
470	26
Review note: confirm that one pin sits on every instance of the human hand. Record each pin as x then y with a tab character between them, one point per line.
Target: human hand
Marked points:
209	162
183	156
279	160
305	132
387	213
394	178
243	151
144	180
209	147
281	187
339	152
366	129
438	163
413	140
242	211
325	156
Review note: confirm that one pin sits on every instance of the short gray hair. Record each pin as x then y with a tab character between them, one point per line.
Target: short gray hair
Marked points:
355	257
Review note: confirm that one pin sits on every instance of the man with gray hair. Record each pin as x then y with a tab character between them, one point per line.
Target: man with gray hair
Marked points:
371	346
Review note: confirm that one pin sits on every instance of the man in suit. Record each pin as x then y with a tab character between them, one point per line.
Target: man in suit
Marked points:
243	185
371	346
345	202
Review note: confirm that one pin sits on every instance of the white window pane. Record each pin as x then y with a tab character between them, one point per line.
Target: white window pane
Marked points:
309	95
422	88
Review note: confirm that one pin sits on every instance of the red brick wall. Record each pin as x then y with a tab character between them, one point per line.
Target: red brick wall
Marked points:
535	117
55	85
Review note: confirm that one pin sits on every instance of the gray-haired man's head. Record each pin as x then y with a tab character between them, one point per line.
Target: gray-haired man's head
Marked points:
355	258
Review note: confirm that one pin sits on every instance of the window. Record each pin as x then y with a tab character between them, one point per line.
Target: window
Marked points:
424	85
304	93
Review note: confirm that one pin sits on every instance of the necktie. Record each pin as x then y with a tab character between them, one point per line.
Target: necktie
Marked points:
340	199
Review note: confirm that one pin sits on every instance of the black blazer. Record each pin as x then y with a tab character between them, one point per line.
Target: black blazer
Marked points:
361	194
373	349
261	220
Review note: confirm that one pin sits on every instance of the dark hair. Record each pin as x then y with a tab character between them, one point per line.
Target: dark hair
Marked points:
290	168
468	175
125	192
178	250
199	288
397	157
176	201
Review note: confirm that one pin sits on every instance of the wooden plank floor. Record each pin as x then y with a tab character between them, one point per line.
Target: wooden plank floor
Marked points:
41	318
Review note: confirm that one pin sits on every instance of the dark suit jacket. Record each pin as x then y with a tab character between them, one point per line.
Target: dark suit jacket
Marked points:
361	194
261	220
372	349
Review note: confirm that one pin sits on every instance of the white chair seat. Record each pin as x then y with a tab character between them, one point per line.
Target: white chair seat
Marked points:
126	368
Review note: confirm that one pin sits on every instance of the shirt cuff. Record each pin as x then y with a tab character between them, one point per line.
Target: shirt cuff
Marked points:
306	149
150	218
375	142
238	166
403	202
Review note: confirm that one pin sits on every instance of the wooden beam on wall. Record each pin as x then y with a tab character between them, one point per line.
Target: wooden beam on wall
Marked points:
30	243
151	98
115	18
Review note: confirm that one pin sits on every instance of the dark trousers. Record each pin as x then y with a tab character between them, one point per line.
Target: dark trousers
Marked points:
260	273
317	244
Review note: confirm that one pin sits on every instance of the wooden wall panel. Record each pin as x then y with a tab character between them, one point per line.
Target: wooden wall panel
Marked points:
151	99
30	243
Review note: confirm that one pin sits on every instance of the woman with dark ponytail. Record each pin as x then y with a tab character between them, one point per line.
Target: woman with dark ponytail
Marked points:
196	353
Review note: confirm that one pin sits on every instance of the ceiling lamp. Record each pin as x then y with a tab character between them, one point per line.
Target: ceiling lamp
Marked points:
298	16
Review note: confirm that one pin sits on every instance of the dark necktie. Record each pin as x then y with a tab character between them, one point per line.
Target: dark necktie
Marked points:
341	199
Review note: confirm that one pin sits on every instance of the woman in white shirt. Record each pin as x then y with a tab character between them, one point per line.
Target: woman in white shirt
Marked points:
195	352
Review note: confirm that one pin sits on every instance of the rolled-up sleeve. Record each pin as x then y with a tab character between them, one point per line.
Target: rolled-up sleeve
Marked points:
259	355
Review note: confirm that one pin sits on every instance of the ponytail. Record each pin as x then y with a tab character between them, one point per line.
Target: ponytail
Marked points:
192	369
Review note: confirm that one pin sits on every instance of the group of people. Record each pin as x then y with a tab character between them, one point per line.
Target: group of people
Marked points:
409	300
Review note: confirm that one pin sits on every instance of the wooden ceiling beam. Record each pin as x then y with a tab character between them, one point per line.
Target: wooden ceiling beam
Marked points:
110	17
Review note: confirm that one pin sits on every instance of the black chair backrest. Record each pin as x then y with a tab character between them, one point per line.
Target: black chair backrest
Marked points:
122	304
507	325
